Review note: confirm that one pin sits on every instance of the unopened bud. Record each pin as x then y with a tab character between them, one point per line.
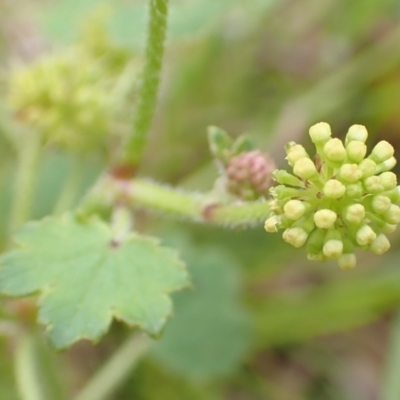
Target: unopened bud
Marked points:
334	189
365	235
320	132
272	224
380	245
354	213
284	178
354	190
325	218
334	150
367	167
388	180
380	204
295	152
373	184
333	246
392	216
350	173
357	132
304	168
294	209
356	151
386	165
295	236
382	152
315	242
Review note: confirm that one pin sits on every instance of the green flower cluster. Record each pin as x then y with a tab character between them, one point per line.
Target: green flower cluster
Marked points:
340	200
77	97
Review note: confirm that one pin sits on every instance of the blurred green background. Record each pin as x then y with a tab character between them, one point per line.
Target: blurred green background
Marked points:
262	321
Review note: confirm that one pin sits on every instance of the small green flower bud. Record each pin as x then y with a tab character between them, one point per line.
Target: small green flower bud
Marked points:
294	209
350	173
386	165
388	180
347	261
334	150
380	204
382	152
367	167
325	218
354	213
373	184
380	245
272	224
357	132
284	178
356	151
365	235
354	190
295	152
282	192
333	246
297	237
320	132
394	194
392	216
334	189
304	168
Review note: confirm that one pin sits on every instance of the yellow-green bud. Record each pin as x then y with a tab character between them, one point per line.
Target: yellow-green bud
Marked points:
350	173
382	151
367	167
325	218
304	168
297	237
334	189
373	184
294	209
354	213
295	152
354	190
320	132
347	261
392	216
275	206
315	243
272	224
386	165
334	150
388	180
380	204
380	245
357	132
388	228
356	151
365	235
333	246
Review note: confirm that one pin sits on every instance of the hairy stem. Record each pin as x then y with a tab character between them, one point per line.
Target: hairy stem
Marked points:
178	203
116	369
149	85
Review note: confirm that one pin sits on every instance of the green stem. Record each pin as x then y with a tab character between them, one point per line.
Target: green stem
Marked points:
26	373
116	369
150	82
68	194
178	203
28	162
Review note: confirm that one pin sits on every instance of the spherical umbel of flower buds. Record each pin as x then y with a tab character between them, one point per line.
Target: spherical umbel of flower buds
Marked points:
249	175
337	200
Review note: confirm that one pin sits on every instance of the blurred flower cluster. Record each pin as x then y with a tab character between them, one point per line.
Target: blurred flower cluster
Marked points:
339	200
79	99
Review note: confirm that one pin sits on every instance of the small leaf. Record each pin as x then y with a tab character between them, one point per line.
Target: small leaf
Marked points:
85	278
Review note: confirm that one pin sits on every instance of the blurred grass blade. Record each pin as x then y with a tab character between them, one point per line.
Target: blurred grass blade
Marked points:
391	382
